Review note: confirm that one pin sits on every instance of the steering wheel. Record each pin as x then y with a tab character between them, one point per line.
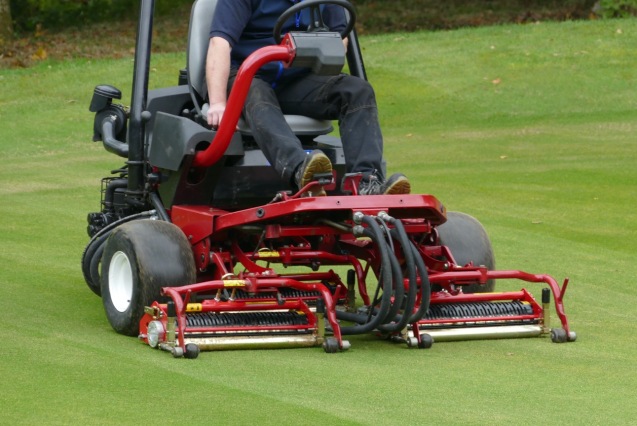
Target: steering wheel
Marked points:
316	23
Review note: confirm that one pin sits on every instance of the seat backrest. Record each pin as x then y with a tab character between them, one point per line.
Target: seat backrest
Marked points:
198	41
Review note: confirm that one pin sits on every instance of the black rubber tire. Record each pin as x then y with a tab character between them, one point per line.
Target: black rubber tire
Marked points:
192	351
92	255
140	258
426	341
558	335
468	242
330	345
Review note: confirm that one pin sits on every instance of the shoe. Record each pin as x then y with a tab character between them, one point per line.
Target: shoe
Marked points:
396	184
316	163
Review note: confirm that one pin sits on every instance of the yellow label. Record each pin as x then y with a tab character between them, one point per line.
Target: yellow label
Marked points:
234	283
268	254
194	307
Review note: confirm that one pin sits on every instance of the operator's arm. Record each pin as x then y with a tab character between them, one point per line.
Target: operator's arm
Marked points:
217	72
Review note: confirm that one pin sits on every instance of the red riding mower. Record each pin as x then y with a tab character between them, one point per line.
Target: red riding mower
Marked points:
199	245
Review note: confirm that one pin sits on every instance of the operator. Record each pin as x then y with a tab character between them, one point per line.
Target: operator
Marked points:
240	27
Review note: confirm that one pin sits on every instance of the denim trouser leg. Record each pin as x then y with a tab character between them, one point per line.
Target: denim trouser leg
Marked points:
350	100
270	130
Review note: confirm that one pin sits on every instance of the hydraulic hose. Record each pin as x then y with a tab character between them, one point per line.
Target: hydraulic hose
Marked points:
368	323
398	287
398	293
399	234
159	207
425	286
94	267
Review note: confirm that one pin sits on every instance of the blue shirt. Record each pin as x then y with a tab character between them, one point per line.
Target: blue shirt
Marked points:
247	26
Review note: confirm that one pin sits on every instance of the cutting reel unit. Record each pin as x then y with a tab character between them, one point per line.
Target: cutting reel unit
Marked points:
399	247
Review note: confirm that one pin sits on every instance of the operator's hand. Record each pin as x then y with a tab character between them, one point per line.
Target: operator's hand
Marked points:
215	114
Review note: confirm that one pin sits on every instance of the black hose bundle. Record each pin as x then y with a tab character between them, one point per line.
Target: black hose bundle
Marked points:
93	252
425	287
399	234
371	320
383	314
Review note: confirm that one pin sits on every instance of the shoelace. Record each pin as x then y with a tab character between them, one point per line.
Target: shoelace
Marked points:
371	185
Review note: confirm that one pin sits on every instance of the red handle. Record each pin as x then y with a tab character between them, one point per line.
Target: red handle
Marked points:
284	52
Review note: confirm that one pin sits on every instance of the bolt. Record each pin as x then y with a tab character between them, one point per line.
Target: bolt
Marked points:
358	218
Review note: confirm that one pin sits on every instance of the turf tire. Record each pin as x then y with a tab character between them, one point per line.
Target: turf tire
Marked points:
140	258
468	241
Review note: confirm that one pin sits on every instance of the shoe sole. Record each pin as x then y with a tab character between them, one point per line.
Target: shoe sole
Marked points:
318	164
399	187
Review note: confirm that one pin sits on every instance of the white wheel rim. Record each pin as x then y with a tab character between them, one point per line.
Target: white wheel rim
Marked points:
120	281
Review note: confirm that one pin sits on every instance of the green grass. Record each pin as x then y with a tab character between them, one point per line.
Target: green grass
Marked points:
529	128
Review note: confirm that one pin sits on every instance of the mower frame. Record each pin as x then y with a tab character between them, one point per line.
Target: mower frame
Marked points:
173	169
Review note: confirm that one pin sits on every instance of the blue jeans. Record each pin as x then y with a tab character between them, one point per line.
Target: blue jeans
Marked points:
350	100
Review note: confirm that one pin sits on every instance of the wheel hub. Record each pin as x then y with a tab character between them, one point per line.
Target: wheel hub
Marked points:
120	281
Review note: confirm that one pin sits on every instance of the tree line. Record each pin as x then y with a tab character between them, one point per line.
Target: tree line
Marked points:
26	15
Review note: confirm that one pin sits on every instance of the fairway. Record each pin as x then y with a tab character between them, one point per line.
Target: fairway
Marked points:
531	129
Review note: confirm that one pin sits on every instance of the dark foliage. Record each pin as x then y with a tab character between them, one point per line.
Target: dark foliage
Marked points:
58	14
64	29
376	16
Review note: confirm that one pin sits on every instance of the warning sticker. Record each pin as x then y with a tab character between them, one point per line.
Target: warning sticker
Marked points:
194	307
234	283
268	253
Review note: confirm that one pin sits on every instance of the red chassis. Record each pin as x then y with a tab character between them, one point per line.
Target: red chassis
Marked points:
275	236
